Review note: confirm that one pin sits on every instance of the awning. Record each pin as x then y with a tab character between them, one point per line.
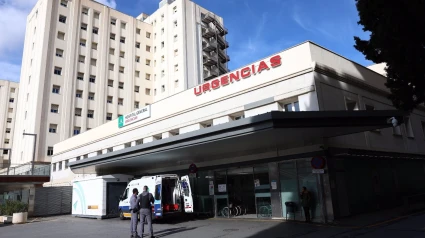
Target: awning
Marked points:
237	138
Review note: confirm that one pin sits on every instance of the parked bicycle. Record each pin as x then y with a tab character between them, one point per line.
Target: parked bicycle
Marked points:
265	211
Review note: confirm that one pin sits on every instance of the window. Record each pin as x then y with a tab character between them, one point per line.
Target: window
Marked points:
162	73
292	107
351	105
11	100
138	45
85	11
121	85
148	35
176	67
139	142
162	44
175	24
136	89
111	67
154	92
137	73
90	114
61	35
77	130
93	62
95	30
163	88
162	17
53	128
148	62
148	77
91	96
136	104
57	71
50	153
112	36
83	42
162	30
176	83
148	91
5	152
56	89
175	38
54	108
96	15
62	18
92	79
123	25
81	58
110	83
120	101
408	127
122	39
111	51
175	9
137	59
109	99
77	112
8	130
113	21
84	26
94	46
137	31
121	69
66	163
6	141
59	52
9	120
148	48
64	3
80	76
176	52
109	118
79	94
122	54
10	110
162	59
12	90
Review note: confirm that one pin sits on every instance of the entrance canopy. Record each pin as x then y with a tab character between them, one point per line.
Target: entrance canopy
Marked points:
237	138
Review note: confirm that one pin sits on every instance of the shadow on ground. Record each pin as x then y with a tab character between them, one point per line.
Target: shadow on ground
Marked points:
171	231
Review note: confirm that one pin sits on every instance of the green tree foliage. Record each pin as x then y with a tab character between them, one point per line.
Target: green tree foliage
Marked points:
397	38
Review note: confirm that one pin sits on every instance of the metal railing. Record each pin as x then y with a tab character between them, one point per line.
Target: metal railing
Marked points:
40	169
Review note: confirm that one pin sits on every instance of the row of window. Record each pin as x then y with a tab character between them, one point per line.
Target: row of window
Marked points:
58	166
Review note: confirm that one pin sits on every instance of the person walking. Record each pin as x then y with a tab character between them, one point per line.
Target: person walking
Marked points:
305	203
145	201
134	210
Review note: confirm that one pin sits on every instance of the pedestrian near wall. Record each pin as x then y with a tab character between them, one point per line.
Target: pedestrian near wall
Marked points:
305	203
134	209
145	201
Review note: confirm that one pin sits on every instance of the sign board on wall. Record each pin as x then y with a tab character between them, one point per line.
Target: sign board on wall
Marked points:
135	116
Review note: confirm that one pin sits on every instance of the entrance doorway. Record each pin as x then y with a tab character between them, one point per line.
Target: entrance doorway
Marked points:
242	192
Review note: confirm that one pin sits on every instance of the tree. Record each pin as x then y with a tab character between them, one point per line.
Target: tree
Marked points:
397	38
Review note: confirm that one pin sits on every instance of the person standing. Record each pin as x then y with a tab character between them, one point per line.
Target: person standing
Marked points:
305	203
145	201
134	210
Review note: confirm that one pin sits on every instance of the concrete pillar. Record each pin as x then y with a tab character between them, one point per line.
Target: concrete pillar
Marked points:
166	135
263	109
148	139
275	193
133	143
190	128
221	120
31	200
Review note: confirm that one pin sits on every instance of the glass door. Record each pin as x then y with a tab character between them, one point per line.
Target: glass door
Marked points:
262	191
221	199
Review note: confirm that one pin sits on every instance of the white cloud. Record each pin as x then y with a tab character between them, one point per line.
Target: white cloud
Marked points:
10	71
109	3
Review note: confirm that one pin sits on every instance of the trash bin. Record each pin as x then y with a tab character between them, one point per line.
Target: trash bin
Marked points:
290	208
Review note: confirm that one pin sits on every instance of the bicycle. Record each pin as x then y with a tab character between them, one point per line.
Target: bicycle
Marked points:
265	211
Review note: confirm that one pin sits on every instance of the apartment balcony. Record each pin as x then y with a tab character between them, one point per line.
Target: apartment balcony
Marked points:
208	18
208	32
209	61
222	68
225	59
210	73
223	44
209	46
221	54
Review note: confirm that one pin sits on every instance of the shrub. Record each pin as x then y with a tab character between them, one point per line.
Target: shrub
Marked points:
12	206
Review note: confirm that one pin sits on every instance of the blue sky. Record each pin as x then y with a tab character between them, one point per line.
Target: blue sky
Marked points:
256	28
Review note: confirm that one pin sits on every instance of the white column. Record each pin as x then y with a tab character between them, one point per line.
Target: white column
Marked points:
190	128
263	109
221	120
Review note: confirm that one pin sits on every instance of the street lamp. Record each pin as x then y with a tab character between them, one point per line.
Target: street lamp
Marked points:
33	152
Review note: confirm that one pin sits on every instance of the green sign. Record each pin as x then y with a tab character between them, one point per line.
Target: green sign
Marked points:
135	116
120	121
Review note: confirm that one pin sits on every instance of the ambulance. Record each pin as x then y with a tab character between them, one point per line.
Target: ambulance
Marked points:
173	195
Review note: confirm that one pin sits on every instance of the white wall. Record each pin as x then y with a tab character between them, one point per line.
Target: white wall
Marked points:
8	91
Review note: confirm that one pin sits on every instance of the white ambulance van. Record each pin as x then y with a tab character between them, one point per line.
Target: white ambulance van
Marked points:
172	195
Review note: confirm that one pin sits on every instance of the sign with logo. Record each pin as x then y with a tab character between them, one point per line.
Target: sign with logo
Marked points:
237	75
135	116
318	162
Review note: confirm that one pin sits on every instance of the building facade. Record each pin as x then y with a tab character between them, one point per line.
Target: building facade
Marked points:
252	133
85	64
9	98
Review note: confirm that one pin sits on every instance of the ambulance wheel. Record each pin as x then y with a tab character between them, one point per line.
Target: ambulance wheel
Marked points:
121	215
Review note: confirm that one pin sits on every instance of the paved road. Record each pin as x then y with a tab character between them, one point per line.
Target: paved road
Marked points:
69	227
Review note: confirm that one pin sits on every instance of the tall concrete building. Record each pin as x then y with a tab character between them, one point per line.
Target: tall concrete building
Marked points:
9	100
85	64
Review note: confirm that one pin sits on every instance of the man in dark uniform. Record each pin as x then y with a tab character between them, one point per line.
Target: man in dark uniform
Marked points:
134	209
305	203
145	201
